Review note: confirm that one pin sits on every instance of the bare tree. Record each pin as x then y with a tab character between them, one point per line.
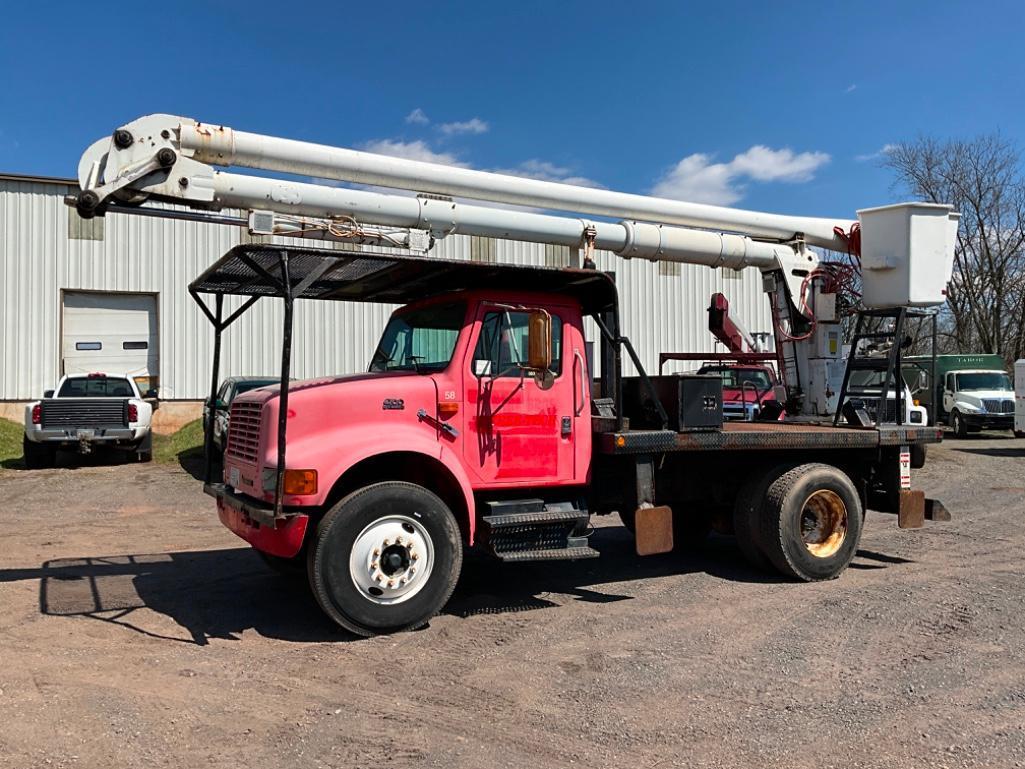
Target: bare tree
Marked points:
981	178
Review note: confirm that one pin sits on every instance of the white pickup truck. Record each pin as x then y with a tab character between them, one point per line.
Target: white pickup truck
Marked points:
88	411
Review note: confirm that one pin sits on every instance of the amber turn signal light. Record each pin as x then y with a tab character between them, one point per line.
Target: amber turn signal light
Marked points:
300	481
447	409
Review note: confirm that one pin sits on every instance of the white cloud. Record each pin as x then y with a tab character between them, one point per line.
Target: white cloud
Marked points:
851	87
472	126
546	171
875	155
697	179
416	150
418	117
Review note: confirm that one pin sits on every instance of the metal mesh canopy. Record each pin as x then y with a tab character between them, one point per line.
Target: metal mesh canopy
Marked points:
256	270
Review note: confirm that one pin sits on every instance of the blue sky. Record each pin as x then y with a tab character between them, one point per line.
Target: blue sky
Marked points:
773	106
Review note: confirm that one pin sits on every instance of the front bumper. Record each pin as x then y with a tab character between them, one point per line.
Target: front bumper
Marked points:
989	421
254	521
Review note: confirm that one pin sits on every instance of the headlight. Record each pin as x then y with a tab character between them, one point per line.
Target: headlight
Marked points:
969	407
916	417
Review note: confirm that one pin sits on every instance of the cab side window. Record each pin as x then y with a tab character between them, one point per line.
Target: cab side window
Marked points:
950	382
502	345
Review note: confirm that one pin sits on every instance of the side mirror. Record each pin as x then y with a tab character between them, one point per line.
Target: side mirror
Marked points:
220	405
539	341
151	393
47	393
920	382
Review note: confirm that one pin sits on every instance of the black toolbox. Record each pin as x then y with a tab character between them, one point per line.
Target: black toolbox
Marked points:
691	401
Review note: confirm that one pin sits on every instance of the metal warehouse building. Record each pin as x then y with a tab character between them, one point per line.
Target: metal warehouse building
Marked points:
110	293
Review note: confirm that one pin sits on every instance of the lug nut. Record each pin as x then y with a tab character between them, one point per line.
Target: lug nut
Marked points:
373	566
377	551
391	583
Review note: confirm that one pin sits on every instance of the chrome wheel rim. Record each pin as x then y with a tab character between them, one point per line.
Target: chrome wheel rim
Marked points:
391	559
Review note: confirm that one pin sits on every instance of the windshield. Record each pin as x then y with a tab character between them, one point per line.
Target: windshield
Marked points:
95	387
738	377
420	340
984	380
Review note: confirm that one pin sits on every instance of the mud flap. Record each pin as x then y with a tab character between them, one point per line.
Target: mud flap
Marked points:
911	512
653	530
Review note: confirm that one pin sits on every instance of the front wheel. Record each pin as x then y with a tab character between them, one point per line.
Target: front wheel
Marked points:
811	522
385	559
958	425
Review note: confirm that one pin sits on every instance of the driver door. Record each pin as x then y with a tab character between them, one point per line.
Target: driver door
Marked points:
517	432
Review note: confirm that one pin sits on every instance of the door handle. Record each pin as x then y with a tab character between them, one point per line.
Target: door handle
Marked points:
578	366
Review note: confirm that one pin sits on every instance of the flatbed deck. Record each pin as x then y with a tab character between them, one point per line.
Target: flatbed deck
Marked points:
742	436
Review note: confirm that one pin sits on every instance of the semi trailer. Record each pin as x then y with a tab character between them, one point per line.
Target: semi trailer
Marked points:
479	421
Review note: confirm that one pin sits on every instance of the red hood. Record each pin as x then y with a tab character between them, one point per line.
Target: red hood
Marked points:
264	394
735	394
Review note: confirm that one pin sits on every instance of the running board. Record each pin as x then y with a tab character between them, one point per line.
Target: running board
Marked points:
531	530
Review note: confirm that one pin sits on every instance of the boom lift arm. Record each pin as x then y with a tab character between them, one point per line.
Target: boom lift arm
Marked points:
172	159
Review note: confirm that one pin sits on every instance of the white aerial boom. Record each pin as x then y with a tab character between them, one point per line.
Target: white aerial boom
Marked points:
906	251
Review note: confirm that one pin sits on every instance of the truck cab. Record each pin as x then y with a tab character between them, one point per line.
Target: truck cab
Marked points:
978	399
448	386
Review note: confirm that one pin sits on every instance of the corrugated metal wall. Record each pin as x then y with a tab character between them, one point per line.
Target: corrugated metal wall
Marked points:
663	306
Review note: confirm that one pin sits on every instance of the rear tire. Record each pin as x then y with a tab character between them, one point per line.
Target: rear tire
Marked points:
747	515
38	455
385	559
811	522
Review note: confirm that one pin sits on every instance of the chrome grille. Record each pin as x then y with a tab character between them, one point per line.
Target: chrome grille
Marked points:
244	430
998	406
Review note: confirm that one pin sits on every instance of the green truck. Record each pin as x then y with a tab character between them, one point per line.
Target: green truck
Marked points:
968	393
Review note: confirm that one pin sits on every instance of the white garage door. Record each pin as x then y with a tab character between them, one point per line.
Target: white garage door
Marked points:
116	333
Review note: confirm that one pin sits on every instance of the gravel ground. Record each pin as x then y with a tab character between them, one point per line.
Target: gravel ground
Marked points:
135	631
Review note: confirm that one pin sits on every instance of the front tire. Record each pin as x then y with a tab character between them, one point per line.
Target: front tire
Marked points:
958	425
385	559
811	522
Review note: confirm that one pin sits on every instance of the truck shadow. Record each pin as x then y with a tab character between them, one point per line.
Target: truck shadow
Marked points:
193	597
993	452
69	460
